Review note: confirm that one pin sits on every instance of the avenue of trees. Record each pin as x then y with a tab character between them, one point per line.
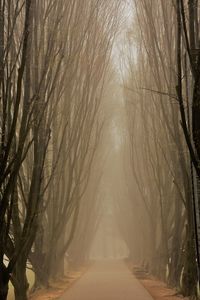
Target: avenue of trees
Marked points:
162	94
53	61
56	75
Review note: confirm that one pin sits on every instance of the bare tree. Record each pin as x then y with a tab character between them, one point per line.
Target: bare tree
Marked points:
153	112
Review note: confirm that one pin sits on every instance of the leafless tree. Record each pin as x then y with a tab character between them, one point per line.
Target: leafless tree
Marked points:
154	117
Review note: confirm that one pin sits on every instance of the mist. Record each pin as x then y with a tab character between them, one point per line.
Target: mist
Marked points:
99	149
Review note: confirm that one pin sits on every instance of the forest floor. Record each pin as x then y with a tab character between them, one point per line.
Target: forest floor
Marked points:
156	288
58	288
159	291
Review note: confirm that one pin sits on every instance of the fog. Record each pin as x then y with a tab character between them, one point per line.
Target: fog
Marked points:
109	242
99	148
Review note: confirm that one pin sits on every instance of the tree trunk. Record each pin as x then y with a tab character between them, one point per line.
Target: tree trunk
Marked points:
3	290
189	280
20	280
4	279
21	292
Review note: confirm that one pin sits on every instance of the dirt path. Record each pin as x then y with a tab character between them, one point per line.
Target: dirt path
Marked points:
108	280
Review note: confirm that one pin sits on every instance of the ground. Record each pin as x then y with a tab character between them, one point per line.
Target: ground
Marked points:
107	280
160	291
58	288
113	280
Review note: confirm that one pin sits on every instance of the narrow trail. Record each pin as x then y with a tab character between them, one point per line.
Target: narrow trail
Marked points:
107	280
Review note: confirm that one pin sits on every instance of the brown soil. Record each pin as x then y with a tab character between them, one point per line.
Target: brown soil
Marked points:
159	291
58	288
156	288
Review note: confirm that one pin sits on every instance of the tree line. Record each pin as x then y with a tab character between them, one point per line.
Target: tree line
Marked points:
53	59
161	88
